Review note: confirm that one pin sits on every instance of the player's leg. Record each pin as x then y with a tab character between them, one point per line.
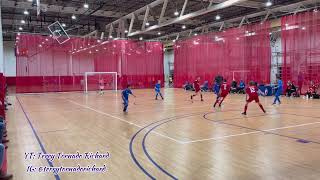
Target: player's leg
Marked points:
245	108
222	100
161	95
157	95
260	105
217	101
276	98
195	94
201	96
125	104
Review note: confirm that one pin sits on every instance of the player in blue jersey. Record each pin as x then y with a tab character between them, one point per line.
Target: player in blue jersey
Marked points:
278	91
125	97
157	89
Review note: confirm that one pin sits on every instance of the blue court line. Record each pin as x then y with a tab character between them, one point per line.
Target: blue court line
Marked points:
158	125
37	137
146	135
254	129
148	155
134	136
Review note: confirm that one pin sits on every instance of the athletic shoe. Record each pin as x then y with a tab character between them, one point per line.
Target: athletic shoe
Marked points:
244	113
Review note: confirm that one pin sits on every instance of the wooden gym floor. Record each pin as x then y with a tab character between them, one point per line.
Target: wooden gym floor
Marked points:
170	139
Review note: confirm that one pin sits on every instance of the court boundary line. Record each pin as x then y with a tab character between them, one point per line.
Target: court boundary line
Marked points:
123	120
57	177
253	132
269	131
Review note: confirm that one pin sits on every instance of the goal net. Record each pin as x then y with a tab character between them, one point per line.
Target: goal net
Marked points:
94	81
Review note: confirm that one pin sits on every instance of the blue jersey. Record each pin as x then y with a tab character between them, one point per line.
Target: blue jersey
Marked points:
242	85
280	86
216	88
157	87
125	93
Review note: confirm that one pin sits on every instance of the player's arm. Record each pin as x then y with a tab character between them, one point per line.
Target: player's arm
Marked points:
132	94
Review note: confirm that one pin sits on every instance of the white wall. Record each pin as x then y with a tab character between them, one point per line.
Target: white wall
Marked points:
168	58
276	58
9	59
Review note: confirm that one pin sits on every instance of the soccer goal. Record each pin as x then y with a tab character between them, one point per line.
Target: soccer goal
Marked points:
94	81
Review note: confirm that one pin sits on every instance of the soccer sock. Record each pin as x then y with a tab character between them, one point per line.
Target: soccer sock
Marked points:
201	96
245	108
216	103
221	101
262	108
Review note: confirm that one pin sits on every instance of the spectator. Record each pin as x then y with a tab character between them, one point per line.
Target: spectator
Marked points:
241	88
2	161
312	91
187	86
234	86
205	86
291	89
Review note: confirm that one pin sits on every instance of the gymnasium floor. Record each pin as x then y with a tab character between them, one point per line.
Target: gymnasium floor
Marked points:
170	139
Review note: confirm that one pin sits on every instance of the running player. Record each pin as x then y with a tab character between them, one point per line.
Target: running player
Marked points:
196	86
224	91
278	91
125	97
252	92
157	89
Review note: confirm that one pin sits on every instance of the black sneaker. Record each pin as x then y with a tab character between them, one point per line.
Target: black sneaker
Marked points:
244	113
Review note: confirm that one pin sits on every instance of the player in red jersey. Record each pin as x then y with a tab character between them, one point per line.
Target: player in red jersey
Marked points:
224	91
196	86
252	92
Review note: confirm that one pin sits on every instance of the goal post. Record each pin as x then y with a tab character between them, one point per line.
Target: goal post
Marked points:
94	80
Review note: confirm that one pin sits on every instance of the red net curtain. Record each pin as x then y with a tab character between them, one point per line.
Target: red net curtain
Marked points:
43	65
300	37
238	53
137	63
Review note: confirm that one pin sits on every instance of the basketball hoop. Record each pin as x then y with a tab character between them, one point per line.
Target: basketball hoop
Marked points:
58	32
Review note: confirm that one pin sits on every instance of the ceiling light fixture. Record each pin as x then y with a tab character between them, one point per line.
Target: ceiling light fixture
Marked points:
25	12
269	3
218	17
86	5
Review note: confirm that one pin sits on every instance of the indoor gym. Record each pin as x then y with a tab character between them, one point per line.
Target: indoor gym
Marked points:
68	68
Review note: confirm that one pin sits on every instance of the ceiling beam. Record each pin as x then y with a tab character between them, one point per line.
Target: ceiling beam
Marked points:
222	5
248	4
287	8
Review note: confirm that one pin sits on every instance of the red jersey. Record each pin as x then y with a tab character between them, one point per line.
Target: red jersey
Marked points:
225	89
196	85
252	92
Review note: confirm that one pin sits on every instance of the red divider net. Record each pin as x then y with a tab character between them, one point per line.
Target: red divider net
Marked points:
300	38
238	53
43	65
